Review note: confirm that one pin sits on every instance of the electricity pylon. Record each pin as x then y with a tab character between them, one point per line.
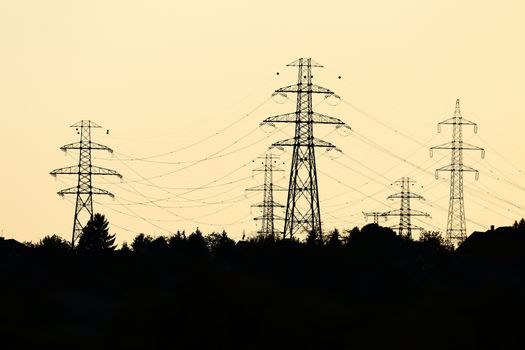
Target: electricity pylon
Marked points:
456	223
268	204
84	170
302	207
375	215
405	213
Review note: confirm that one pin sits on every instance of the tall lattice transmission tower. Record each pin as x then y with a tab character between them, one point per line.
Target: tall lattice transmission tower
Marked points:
84	170
302	208
405	212
268	204
456	223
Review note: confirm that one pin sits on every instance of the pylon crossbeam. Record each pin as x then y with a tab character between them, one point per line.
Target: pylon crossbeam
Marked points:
305	88
306	143
81	145
317	118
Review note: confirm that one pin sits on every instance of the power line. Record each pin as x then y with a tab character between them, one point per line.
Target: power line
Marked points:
204	139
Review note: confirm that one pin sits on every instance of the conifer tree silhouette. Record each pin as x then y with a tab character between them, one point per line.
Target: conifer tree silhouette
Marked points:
95	235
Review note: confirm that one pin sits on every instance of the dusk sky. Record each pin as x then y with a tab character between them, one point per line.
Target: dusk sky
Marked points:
162	75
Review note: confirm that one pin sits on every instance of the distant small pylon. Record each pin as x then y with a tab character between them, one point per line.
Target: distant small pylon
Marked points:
375	215
268	204
405	213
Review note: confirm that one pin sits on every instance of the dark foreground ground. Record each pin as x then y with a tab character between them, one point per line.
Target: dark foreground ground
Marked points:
373	291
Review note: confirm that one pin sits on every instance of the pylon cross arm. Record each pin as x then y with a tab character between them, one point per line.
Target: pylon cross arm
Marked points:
70	170
419	213
275	217
391	213
75	169
471	147
268	205
91	145
317	118
296	88
268	168
93	190
457	167
293	141
411	212
460	121
405	195
262	188
85	124
457	145
96	170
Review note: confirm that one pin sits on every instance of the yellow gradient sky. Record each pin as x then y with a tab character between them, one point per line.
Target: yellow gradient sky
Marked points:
161	75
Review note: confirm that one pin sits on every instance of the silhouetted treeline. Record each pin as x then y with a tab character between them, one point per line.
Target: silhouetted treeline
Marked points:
358	289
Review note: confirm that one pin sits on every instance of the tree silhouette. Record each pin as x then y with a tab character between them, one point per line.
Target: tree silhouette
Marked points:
519	226
334	240
177	240
53	244
197	245
125	248
95	236
219	243
314	239
432	237
141	242
215	240
159	244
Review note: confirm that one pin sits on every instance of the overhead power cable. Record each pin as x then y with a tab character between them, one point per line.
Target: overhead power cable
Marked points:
204	139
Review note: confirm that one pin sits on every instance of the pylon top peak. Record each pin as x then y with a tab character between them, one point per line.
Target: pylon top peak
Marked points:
457	111
85	123
405	179
302	60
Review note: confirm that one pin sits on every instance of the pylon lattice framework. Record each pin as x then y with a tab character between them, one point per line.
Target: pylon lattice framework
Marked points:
268	204
405	212
84	190
456	222
302	207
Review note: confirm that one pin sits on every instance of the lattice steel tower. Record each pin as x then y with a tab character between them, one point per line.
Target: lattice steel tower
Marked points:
456	223
84	170
303	215
268	204
405	213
